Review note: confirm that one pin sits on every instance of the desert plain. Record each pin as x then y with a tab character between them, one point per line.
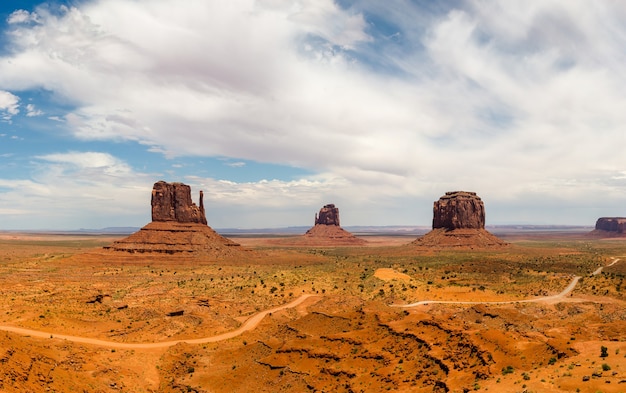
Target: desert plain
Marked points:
544	314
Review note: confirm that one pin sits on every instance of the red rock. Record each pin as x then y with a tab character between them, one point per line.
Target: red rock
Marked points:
459	221
610	227
178	226
325	232
328	215
611	224
459	210
172	202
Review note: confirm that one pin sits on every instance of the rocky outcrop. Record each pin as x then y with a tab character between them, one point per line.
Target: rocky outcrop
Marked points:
610	227
178	227
612	224
459	210
328	215
172	202
459	221
325	232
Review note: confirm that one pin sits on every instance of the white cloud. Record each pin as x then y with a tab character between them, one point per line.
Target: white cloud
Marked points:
519	101
31	111
76	190
22	16
9	104
89	164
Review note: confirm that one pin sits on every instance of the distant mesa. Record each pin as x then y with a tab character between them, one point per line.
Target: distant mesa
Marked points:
178	226
459	221
327	230
610	227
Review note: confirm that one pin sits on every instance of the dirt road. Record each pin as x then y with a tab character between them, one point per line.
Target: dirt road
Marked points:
544	299
253	321
249	324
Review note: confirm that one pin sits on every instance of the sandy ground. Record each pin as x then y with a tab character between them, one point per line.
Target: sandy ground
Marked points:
313	319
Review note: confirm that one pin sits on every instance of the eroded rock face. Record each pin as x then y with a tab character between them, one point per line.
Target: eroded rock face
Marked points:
459	222
178	227
172	202
329	215
459	210
327	231
611	224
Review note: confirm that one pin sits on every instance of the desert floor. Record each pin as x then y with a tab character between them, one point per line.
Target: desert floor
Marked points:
74	317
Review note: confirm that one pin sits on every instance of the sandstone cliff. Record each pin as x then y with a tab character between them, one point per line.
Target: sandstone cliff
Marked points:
459	221
611	224
328	215
178	226
459	210
172	202
610	227
325	232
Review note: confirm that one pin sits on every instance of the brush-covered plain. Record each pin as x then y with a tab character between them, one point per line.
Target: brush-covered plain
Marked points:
348	337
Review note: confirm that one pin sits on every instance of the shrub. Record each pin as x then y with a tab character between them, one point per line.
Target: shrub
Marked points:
604	351
507	370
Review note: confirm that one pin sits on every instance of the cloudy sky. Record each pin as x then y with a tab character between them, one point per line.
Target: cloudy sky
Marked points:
277	107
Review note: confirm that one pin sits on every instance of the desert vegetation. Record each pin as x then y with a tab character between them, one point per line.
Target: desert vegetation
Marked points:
347	337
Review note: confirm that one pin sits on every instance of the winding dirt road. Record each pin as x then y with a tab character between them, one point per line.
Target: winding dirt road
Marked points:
253	321
249	324
544	299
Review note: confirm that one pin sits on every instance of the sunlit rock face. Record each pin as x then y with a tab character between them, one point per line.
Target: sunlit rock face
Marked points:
172	202
178	227
327	230
459	210
328	215
459	221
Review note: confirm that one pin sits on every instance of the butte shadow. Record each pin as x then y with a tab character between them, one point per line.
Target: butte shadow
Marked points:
459	222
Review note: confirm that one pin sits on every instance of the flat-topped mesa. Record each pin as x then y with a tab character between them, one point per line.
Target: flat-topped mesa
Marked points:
612	224
172	202
459	210
459	221
328	215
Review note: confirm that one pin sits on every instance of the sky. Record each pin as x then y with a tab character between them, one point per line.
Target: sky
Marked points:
275	108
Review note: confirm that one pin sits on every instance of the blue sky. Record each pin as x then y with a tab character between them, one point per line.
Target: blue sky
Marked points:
275	108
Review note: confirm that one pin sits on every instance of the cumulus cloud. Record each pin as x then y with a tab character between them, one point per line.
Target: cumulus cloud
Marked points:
76	190
519	101
9	104
21	16
32	111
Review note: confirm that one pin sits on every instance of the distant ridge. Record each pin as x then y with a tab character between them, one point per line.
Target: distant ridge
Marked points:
111	230
299	230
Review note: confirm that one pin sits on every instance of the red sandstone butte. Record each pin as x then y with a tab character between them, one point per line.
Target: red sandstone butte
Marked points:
178	226
459	221
327	231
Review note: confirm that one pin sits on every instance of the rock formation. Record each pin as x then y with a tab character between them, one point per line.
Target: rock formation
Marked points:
459	221
325	232
328	215
172	202
459	210
610	227
178	226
